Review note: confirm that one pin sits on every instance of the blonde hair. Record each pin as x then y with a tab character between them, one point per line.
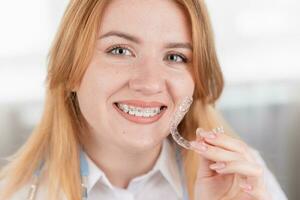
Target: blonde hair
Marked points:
60	130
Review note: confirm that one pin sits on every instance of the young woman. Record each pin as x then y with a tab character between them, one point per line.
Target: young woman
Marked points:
146	55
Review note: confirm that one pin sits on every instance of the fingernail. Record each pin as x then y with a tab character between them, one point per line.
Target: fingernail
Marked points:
199	146
198	131
246	186
218	165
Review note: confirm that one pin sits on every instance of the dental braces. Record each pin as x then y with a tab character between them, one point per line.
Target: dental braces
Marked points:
178	116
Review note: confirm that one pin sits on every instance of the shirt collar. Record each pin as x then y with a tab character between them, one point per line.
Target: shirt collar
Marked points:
166	164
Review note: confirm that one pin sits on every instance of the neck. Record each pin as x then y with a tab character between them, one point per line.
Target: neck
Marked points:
111	160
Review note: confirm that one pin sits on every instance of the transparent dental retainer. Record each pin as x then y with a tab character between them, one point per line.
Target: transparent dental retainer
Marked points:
178	116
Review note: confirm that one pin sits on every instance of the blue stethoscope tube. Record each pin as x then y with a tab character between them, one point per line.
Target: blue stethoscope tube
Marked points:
84	172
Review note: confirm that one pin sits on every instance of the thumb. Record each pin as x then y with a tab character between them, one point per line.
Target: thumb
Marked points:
203	167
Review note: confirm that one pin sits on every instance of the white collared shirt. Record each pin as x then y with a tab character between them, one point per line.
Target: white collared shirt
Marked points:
163	181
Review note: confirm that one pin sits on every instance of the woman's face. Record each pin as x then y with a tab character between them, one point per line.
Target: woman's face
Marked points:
142	55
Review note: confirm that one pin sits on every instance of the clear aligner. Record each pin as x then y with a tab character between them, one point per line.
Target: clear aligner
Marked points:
218	130
178	116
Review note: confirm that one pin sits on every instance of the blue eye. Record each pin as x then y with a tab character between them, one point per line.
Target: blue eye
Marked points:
178	56
119	50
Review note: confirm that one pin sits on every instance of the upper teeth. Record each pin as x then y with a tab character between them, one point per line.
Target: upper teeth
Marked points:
138	111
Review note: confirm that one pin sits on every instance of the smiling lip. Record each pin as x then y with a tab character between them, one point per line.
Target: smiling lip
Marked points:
140	120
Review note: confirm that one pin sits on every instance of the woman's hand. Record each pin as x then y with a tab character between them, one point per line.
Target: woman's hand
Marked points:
227	169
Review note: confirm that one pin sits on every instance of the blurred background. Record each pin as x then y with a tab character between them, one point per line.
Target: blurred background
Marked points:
258	44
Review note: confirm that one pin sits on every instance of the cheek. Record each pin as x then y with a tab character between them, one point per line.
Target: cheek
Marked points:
182	85
102	77
97	85
99	82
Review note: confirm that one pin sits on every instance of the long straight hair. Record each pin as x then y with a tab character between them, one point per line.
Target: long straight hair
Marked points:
57	137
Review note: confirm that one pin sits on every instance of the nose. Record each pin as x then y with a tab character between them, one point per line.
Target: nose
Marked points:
147	78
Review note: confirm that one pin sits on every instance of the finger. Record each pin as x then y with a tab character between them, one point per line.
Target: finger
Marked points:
215	153
244	168
203	168
257	192
225	141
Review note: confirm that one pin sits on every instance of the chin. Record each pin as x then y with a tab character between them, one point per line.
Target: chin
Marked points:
142	143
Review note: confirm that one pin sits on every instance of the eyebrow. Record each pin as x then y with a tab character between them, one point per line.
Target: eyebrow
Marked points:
138	41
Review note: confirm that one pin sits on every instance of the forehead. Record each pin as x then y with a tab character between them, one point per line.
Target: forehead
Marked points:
147	19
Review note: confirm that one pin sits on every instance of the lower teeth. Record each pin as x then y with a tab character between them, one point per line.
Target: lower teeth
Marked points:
139	115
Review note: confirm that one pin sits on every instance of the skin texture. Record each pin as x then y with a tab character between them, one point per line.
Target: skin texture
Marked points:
146	71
